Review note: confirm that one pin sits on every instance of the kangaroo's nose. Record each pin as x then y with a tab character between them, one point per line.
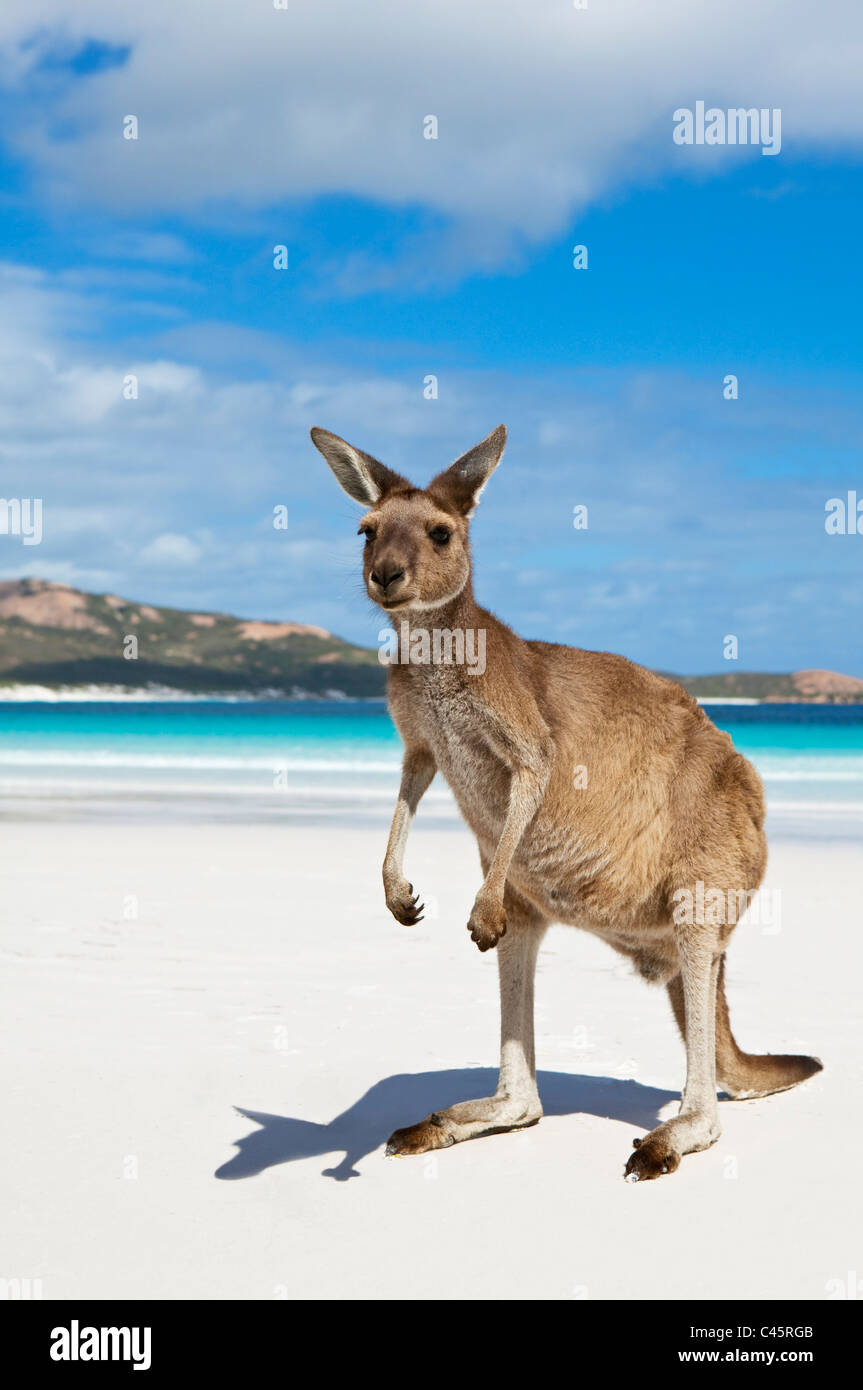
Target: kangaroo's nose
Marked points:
387	575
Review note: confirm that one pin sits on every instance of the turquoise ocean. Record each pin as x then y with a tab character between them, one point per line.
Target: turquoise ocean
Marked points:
246	758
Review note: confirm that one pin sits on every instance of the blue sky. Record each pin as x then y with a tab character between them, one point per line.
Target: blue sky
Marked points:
452	257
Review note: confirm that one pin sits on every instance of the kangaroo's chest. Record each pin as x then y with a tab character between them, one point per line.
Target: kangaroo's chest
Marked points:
449	719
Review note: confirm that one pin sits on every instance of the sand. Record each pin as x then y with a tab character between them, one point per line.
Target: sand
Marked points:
212	1029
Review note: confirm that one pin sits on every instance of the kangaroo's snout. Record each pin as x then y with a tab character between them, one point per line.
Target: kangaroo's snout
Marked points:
387	574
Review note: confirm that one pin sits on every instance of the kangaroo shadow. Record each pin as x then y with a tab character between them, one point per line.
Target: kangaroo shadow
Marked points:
402	1099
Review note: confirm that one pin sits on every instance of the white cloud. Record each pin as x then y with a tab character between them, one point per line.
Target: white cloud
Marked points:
542	108
160	247
171	550
169	498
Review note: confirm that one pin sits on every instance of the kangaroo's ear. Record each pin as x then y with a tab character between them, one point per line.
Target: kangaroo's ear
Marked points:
461	484
361	476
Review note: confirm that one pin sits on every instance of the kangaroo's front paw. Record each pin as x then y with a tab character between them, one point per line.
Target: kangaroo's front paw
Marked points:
405	908
487	923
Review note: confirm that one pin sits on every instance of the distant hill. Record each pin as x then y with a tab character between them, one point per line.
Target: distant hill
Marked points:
54	635
813	687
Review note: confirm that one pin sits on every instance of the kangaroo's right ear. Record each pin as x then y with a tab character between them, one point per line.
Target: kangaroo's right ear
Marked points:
361	476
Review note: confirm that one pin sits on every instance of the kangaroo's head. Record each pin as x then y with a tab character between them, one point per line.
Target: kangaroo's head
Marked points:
416	552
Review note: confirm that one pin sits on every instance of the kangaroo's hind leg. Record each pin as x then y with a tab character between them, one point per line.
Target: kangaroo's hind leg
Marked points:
743	1075
515	1104
697	1125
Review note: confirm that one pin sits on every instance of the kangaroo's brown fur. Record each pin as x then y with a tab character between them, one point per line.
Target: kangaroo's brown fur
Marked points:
597	791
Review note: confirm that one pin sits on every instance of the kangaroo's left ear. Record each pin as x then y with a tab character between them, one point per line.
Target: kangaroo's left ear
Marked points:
362	477
460	485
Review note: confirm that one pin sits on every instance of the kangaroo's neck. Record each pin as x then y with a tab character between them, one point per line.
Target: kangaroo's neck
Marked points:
461	611
455	641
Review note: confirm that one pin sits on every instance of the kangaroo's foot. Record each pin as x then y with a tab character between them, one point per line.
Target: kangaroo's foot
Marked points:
405	907
661	1150
470	1119
487	922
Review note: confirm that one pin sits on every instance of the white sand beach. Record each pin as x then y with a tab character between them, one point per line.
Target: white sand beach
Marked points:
213	1028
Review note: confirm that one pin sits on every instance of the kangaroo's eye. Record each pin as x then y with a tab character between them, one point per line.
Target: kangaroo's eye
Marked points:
440	535
367	531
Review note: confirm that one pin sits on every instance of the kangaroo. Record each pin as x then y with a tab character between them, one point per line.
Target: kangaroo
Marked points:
600	794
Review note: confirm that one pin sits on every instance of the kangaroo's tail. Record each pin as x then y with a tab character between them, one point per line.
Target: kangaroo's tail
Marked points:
743	1075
